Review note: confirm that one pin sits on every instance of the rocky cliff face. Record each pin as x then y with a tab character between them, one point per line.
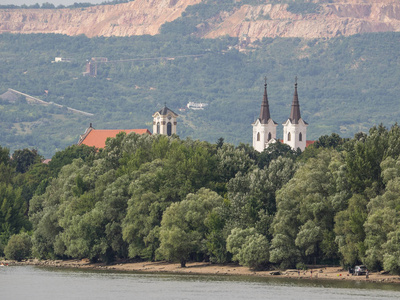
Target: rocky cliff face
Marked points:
333	19
341	17
134	18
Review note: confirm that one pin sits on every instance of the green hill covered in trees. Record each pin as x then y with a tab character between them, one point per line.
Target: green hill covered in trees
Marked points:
205	195
346	85
158	197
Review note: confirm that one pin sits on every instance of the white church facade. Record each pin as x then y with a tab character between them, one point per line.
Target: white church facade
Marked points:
294	129
164	122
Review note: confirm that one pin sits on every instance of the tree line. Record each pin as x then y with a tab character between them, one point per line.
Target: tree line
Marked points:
164	198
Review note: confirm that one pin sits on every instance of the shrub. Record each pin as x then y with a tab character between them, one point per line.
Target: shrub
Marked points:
248	247
255	252
18	247
301	266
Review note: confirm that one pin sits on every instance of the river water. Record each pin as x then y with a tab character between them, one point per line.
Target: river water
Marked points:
29	282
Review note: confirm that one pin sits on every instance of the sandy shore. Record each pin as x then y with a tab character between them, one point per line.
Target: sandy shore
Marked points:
332	273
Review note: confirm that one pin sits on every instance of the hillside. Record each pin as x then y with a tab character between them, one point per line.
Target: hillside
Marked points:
207	18
180	51
127	19
346	85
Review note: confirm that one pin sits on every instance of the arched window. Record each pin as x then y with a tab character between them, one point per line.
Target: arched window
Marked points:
258	136
269	136
289	137
300	137
158	127
169	129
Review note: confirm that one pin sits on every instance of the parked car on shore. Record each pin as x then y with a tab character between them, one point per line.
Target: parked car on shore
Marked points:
360	270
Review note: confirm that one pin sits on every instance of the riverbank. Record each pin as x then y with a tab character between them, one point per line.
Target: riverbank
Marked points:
332	273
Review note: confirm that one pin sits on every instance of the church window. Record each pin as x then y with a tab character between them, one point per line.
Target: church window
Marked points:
300	137
289	138
158	127
269	136
169	129
258	136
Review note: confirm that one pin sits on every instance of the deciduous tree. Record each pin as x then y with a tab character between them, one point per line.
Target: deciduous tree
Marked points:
183	230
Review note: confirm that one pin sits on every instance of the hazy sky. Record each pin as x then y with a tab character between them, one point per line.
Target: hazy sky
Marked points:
55	2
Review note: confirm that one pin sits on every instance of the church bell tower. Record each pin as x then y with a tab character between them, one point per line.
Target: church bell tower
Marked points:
164	121
295	128
264	128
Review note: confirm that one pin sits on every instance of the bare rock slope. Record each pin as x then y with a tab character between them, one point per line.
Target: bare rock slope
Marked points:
337	18
134	18
340	17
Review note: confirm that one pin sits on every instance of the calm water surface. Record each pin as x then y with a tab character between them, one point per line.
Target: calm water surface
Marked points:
28	282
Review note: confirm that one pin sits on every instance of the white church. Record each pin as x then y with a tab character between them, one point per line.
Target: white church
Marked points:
294	129
264	128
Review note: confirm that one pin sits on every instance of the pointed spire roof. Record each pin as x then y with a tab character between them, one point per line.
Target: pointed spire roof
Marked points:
264	112
295	112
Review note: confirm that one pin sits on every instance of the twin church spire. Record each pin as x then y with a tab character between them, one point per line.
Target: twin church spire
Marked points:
295	112
294	129
264	112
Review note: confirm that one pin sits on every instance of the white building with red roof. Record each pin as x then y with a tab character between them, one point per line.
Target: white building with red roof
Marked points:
164	122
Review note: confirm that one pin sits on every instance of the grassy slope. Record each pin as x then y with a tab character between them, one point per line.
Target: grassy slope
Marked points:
346	85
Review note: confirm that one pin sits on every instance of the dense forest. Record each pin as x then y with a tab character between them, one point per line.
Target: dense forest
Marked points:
158	197
204	195
346	84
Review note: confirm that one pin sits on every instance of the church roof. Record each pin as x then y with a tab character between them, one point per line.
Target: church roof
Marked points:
165	110
295	112
308	143
264	112
97	137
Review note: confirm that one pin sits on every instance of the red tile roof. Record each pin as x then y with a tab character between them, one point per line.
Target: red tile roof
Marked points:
98	137
308	143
